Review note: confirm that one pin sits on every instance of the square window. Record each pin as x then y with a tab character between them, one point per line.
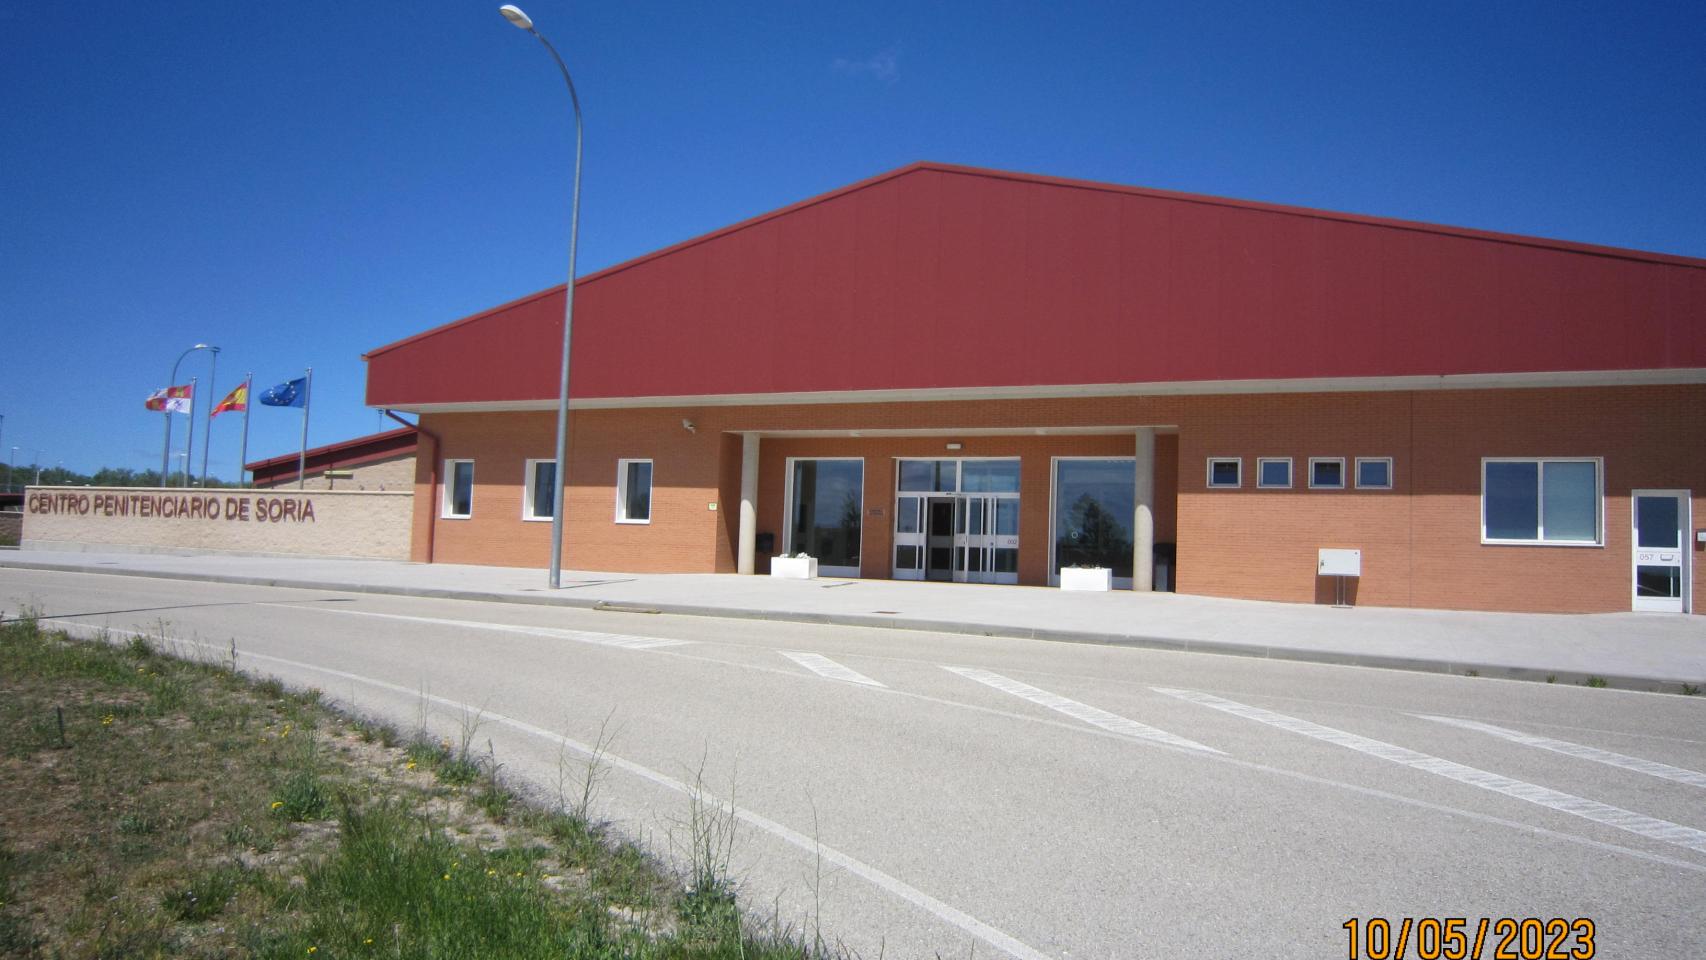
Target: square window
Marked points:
1225	472
458	489
1273	472
1327	473
1374	473
633	491
536	501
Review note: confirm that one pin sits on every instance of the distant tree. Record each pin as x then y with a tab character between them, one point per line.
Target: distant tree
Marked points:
1094	536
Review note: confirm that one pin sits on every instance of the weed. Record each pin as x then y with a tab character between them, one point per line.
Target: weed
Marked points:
1690	690
1551	678
140	647
303	797
1595	682
1471	673
203	898
271	688
710	902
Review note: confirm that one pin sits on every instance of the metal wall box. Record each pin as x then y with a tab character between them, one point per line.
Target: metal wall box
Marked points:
1338	563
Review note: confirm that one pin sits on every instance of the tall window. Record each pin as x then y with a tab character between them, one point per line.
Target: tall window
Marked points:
633	491
541	484
827	503
1094	505
458	488
1540	501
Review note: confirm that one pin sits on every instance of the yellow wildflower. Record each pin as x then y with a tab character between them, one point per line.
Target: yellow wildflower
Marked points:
411	765
277	803
107	720
447	876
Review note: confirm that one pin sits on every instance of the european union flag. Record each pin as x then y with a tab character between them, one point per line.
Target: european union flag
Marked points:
292	394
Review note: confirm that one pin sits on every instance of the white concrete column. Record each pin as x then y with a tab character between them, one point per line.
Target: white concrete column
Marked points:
1143	518
747	550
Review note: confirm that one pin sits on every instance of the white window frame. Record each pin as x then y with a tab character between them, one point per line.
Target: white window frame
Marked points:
1290	473
528	482
1391	476
1540	496
622	489
1235	461
1344	481
448	496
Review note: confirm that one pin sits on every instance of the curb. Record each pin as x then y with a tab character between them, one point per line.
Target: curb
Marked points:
1171	644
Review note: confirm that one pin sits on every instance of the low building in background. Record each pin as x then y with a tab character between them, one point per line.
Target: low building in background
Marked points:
379	461
945	373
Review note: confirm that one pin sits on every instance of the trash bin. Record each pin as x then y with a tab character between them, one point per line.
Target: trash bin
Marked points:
765	545
1165	557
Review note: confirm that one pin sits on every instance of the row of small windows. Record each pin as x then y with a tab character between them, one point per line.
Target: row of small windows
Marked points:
1325	473
633	490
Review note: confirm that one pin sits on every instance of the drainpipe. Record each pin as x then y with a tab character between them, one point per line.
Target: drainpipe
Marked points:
432	488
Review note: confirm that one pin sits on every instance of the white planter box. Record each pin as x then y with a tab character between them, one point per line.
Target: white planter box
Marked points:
1086	578
794	568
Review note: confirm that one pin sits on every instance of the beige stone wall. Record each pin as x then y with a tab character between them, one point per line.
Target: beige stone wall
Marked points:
308	523
397	473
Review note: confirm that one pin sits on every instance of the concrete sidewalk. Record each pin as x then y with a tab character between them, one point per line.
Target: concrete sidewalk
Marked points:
1636	651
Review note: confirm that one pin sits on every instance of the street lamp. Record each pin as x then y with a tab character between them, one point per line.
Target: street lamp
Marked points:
522	21
12	470
166	448
207	429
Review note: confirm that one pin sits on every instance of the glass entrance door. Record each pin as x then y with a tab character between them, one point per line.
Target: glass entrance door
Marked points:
986	539
1661	525
957	519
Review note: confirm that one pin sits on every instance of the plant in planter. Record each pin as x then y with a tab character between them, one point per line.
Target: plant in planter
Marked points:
800	566
1080	577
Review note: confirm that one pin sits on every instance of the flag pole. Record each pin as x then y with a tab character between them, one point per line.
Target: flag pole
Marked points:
166	444
302	458
248	401
189	445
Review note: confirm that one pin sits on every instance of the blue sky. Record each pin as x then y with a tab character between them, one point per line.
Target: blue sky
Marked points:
300	182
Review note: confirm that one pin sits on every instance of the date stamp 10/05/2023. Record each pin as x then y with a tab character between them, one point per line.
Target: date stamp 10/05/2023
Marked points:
1460	938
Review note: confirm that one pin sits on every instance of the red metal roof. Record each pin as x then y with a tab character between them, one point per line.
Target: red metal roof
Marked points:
936	276
347	453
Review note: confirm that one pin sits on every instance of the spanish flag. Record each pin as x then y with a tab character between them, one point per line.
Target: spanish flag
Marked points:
237	399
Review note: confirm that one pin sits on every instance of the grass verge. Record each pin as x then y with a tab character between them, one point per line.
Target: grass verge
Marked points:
152	806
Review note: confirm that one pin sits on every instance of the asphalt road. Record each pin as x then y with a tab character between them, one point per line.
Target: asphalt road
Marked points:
915	794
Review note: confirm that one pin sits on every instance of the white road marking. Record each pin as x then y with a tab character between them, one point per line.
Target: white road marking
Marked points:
1652	768
624	641
95	632
825	667
1078	711
1639	824
1001	941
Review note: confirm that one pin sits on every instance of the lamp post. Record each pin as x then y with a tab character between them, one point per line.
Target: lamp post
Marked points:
166	448
522	21
207	430
12	470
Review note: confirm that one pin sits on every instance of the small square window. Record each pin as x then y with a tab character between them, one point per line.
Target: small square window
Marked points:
1374	473
633	491
458	489
1327	473
1274	472
537	500
1225	472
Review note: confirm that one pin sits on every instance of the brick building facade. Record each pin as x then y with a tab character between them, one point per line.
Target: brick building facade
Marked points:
944	373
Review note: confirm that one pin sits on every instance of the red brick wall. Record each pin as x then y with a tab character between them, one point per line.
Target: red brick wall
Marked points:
1420	541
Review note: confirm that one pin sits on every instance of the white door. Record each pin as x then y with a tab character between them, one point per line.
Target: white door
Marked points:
909	537
1660	562
986	539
